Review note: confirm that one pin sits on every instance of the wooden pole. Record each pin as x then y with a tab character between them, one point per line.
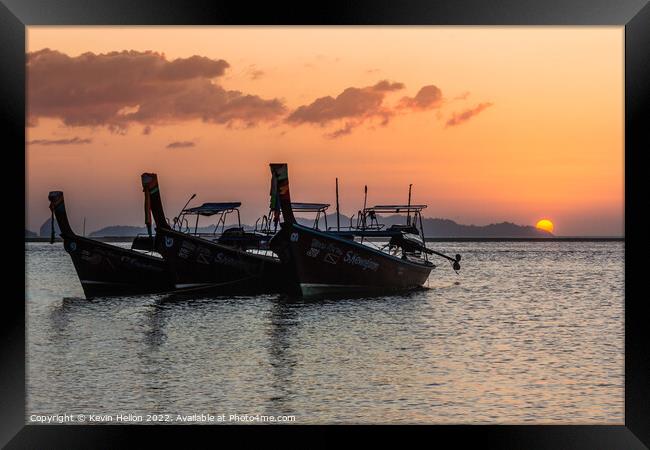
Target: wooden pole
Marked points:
363	217
338	220
408	211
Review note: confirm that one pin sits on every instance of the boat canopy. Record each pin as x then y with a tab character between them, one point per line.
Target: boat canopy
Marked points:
309	207
395	208
210	209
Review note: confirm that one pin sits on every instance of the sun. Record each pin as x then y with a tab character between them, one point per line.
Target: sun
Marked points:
545	225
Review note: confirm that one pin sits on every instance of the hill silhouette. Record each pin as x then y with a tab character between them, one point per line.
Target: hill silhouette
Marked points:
433	227
128	230
436	227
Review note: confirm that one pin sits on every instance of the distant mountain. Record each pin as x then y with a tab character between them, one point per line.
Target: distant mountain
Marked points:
432	228
118	230
45	229
445	227
128	230
449	228
29	233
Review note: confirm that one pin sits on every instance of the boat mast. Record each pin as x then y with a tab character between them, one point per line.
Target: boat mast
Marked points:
183	209
424	243
408	211
338	220
363	217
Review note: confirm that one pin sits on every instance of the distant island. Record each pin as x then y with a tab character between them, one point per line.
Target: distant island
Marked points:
446	228
119	230
433	227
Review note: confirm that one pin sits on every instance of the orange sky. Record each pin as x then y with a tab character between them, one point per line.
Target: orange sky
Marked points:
546	138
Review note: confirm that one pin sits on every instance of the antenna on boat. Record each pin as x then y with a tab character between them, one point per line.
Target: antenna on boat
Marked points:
408	210
338	220
365	198
363	219
183	209
84	227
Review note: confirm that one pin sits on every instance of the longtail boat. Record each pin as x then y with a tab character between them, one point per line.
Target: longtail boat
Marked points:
219	264
104	269
340	261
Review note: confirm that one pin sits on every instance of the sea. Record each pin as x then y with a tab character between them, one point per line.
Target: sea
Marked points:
524	333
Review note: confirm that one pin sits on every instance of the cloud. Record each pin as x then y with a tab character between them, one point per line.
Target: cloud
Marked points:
347	129
428	97
354	104
117	89
458	118
180	144
254	73
146	130
73	141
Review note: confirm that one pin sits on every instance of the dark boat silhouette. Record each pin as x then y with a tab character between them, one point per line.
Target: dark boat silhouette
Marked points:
320	262
221	264
108	270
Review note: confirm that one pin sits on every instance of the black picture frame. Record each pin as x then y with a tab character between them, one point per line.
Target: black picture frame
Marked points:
634	15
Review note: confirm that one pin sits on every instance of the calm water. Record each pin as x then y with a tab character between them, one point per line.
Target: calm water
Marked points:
527	333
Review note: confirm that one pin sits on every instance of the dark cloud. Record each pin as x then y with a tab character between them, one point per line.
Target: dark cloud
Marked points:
73	141
180	144
428	97
458	118
347	129
118	88
354	104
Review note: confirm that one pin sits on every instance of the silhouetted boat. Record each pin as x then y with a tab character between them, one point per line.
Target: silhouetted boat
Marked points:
230	262
339	261
108	270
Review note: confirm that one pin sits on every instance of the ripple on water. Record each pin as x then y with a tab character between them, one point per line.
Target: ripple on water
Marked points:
527	333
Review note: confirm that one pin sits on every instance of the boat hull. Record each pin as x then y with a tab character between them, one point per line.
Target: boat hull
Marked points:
108	270
199	264
322	263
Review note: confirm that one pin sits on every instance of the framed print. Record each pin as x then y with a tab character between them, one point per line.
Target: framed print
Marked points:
373	214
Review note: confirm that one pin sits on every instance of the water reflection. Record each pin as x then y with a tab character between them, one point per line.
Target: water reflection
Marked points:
519	340
283	323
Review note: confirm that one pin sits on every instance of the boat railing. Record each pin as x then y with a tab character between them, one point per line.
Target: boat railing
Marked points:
221	210
368	228
318	208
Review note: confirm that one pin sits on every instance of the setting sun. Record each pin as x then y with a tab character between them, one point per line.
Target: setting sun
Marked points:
545	225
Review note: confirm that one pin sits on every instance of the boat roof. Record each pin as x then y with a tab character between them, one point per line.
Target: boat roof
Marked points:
209	209
309	207
395	208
